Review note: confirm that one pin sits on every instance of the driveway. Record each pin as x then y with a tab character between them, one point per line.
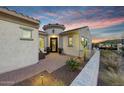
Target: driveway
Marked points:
52	62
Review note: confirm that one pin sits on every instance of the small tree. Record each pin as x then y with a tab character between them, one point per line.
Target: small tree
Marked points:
84	43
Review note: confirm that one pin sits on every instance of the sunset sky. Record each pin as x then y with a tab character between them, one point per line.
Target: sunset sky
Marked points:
104	22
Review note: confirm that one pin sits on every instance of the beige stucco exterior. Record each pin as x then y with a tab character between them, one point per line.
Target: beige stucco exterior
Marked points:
15	52
77	34
74	50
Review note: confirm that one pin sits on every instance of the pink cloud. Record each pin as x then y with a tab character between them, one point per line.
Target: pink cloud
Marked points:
88	12
46	12
95	24
51	14
111	37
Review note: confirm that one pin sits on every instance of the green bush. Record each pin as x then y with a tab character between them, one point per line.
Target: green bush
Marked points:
72	64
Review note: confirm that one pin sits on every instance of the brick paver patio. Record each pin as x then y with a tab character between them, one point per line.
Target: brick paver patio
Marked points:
52	62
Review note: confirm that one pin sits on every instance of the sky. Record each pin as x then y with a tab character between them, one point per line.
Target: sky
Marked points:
105	22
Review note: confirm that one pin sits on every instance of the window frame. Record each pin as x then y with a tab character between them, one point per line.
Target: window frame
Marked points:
28	30
69	41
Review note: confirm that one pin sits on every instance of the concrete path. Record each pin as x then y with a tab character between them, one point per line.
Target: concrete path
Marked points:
54	61
51	63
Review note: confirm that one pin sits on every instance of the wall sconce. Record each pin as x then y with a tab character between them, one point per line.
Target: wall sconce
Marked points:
82	39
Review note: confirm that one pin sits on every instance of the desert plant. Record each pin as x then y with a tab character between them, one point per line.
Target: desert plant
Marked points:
108	65
72	64
112	78
110	60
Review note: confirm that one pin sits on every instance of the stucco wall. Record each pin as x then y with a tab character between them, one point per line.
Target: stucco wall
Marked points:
56	30
16	53
77	49
74	51
89	74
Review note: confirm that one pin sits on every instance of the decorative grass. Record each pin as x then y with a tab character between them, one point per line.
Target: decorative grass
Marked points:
111	78
109	69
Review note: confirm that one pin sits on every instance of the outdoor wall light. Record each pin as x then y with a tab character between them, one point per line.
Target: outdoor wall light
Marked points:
82	39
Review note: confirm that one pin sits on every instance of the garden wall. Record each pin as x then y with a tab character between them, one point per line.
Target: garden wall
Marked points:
89	75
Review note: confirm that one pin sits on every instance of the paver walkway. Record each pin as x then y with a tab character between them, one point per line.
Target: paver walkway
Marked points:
52	62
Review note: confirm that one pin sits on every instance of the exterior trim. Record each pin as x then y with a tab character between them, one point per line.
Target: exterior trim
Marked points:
45	27
14	17
42	33
72	30
27	39
72	41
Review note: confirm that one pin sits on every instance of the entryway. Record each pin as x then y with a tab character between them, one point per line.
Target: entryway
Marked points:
53	44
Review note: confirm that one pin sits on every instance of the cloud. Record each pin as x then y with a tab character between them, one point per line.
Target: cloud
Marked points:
40	17
108	37
99	19
73	17
95	24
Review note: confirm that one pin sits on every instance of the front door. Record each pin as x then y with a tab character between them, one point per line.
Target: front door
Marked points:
53	44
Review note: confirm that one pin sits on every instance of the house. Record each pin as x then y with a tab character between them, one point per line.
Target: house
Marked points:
19	40
56	38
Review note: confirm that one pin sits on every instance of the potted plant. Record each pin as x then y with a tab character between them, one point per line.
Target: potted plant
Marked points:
60	50
48	50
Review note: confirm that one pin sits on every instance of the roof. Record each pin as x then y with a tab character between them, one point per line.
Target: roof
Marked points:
45	27
42	33
18	15
73	30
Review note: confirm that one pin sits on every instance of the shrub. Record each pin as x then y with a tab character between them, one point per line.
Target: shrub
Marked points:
112	78
110	60
114	65
72	64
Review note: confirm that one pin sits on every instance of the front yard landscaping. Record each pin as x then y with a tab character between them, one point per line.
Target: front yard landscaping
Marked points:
60	77
110	67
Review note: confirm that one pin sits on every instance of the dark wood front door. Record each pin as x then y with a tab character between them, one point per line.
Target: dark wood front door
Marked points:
53	44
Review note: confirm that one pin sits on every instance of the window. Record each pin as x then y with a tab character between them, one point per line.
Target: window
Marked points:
26	34
70	41
41	42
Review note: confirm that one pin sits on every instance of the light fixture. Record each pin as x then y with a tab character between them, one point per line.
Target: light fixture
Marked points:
42	76
53	36
82	39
